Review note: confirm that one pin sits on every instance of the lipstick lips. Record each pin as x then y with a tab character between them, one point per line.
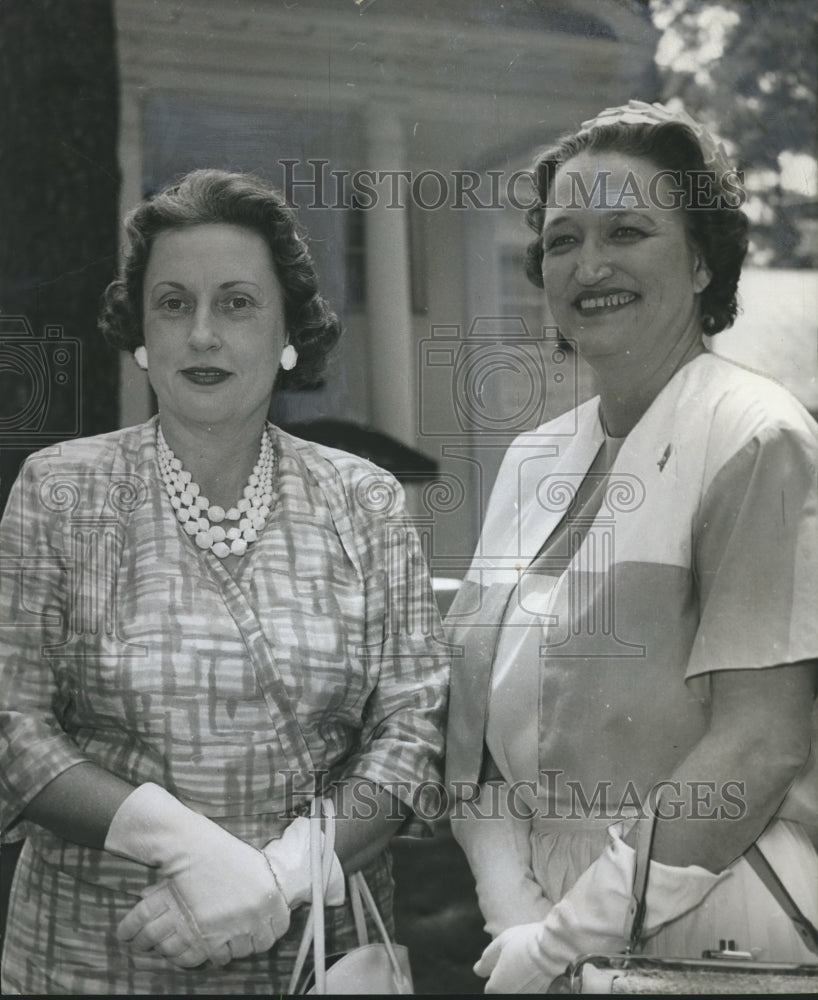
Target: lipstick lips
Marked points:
205	375
596	303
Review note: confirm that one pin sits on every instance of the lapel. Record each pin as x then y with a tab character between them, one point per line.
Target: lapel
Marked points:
529	497
526	505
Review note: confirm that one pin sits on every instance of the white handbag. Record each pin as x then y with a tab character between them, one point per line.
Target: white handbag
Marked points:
380	967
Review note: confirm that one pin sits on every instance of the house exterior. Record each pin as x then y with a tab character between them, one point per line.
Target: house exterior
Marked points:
403	131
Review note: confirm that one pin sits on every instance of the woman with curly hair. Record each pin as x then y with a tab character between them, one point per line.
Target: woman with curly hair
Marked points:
198	636
638	626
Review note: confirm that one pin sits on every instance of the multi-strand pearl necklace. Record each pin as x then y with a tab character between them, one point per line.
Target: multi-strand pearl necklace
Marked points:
203	520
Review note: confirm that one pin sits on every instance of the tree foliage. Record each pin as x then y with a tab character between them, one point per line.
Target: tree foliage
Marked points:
747	69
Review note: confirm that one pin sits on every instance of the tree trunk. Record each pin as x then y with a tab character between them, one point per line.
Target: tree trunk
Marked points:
59	207
59	191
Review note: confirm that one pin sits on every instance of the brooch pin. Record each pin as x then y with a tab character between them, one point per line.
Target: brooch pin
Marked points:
663	460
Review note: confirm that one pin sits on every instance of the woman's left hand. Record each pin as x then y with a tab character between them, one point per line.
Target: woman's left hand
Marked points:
289	858
590	918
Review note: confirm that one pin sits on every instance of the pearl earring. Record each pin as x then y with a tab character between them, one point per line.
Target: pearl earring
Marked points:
141	357
289	358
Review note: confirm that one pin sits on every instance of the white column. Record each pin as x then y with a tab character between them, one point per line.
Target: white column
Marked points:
391	347
134	388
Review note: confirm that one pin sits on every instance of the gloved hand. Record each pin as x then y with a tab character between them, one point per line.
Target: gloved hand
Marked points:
289	857
170	926
221	894
591	917
498	849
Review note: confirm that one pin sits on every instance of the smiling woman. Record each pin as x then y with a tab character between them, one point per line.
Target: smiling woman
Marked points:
622	587
213	596
623	283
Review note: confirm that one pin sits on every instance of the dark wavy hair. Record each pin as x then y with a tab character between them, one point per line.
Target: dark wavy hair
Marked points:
715	223
214	196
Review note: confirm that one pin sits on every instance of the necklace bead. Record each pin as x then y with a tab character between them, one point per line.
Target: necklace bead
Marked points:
200	520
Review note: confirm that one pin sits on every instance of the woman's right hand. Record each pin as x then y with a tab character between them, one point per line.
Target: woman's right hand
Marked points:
495	837
220	895
164	919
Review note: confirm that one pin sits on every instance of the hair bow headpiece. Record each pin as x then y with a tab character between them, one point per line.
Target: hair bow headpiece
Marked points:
641	113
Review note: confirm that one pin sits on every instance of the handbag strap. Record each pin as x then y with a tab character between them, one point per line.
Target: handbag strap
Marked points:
358	913
360	896
358	884
317	870
637	908
320	867
760	864
755	857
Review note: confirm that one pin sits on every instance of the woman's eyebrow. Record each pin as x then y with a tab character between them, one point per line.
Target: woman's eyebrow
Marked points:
615	214
555	222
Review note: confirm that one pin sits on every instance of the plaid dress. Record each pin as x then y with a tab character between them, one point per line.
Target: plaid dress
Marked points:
124	644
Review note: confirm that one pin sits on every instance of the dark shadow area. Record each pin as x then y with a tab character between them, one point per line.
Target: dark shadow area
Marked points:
366	442
9	853
436	913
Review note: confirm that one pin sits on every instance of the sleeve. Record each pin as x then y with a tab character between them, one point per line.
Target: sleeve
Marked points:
401	744
34	576
756	556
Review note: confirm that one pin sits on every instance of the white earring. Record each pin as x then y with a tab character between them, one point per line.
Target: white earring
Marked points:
141	357
289	358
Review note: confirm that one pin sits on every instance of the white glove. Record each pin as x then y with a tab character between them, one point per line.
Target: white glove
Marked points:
498	849
221	894
289	857
171	926
591	918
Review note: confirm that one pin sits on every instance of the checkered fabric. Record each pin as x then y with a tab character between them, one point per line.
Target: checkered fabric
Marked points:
123	643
